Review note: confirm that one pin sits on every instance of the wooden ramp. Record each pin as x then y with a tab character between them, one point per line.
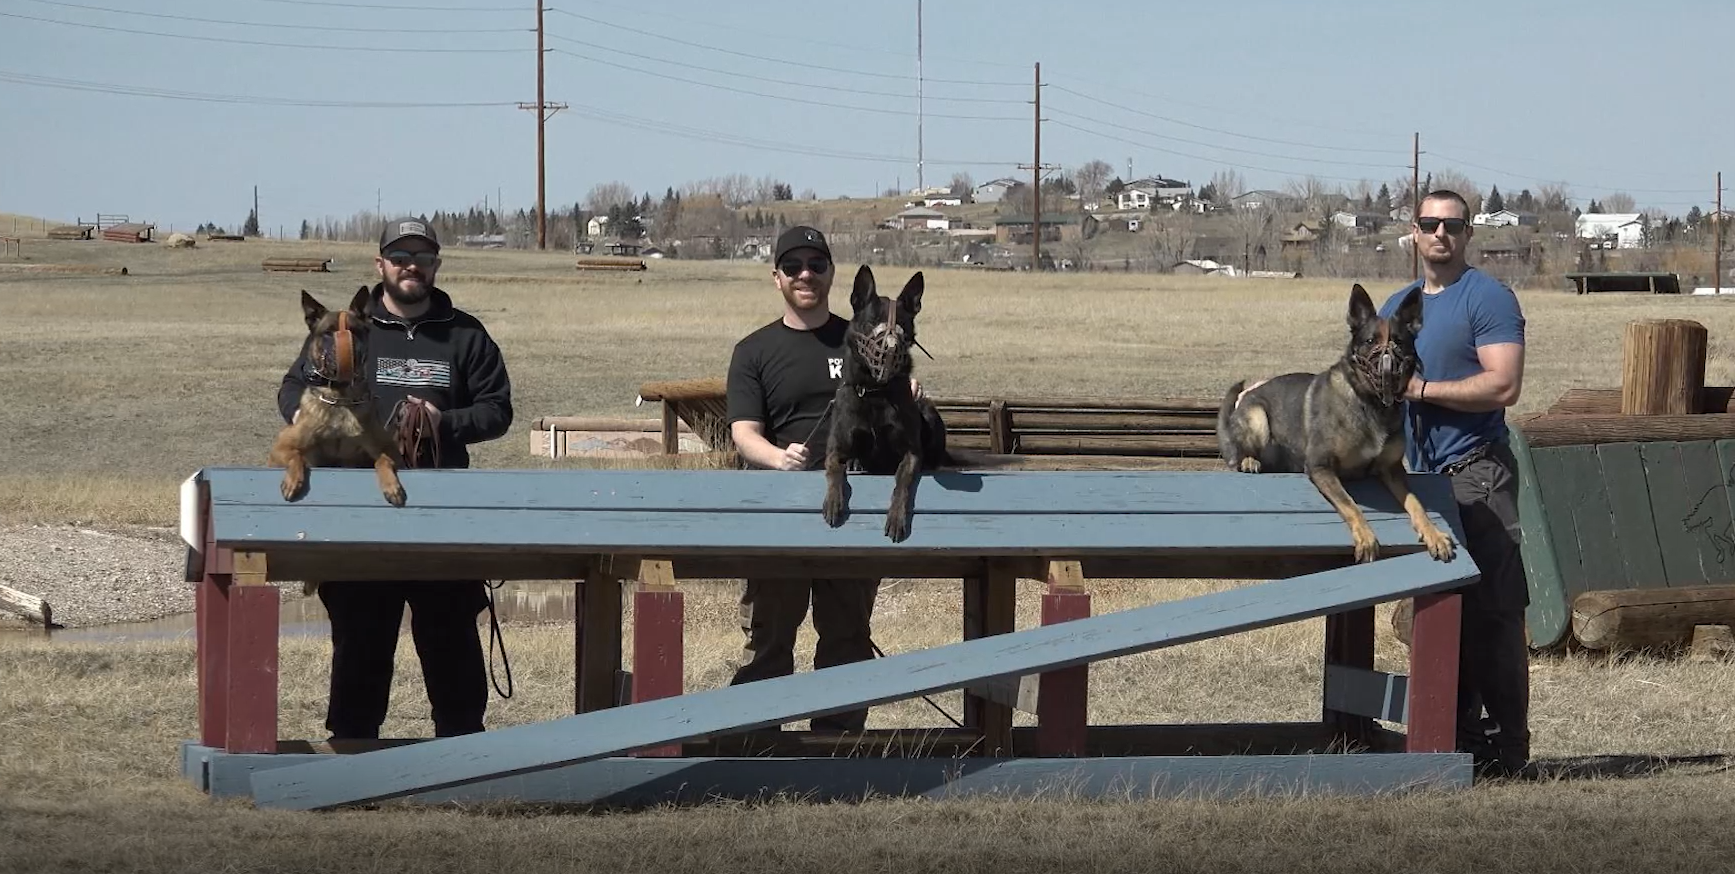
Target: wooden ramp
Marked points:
525	749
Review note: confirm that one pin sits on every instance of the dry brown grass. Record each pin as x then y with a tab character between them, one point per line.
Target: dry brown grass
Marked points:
117	388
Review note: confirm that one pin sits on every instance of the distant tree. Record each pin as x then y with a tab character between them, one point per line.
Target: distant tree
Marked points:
782	191
1525	201
1092	177
1694	216
251	227
1495	202
1594	206
1619	201
962	184
306	230
1383	200
1208	193
1113	187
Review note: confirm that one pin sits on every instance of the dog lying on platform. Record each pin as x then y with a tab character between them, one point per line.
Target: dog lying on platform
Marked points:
878	424
335	425
1343	423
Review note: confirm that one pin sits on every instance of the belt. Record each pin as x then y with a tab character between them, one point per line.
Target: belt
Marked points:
1467	459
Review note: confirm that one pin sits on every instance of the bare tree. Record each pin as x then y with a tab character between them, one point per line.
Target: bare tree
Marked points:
1452	180
1619	201
1229	185
1091	178
604	195
962	184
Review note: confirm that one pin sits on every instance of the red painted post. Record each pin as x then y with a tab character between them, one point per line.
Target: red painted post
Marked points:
1434	673
252	667
1062	698
658	667
211	634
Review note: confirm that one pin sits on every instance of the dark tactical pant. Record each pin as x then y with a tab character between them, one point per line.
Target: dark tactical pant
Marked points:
1494	655
772	611
365	619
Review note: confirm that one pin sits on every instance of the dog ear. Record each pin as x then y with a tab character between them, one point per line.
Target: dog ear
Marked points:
910	298
864	289
1409	313
358	304
311	309
1361	307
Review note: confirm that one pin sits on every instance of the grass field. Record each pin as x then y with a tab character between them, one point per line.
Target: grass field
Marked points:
116	388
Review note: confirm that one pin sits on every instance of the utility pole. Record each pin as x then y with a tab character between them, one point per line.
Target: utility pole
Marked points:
543	113
1719	235
1415	200
1036	168
256	209
921	184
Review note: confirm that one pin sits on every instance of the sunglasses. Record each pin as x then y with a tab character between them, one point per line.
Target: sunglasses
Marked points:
420	259
791	267
1430	224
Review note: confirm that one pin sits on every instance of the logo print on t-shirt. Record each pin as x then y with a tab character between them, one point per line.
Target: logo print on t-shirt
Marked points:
835	365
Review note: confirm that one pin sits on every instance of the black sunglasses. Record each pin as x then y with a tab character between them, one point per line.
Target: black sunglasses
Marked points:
421	259
1430	224
791	267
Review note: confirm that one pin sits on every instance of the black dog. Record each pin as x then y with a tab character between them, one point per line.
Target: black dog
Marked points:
876	421
1343	423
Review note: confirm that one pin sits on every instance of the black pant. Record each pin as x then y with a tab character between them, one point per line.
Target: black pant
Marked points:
1494	654
365	618
771	613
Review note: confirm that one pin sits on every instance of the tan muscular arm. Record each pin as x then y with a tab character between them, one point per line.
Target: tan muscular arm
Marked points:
1496	387
750	439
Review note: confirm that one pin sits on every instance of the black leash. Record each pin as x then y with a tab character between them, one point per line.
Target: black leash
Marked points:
494	634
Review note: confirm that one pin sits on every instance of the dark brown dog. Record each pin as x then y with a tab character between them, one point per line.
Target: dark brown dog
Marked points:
336	425
1345	422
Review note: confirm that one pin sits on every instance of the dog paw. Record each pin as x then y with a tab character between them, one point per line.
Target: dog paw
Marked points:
1367	547
897	527
394	495
293	487
1249	465
1439	544
833	510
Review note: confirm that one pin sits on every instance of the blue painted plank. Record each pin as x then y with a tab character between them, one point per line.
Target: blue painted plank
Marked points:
636	782
805	533
709	491
455	761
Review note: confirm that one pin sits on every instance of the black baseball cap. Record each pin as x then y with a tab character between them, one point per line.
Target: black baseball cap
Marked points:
403	228
796	238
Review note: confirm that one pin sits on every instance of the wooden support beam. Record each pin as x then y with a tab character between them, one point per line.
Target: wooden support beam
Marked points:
597	641
252	673
658	643
1367	694
990	608
1433	684
1063	704
1349	643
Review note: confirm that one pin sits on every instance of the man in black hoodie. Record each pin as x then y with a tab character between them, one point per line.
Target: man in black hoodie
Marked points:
423	352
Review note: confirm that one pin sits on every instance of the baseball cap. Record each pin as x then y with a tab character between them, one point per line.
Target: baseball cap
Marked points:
401	228
797	237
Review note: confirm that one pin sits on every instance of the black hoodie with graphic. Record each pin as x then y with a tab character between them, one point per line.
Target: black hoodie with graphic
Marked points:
445	357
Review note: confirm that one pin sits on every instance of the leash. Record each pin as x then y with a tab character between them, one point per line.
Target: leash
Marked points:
416	430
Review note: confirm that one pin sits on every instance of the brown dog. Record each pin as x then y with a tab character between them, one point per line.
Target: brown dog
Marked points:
335	426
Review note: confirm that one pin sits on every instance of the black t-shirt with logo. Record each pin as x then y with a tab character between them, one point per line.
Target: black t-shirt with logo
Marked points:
784	378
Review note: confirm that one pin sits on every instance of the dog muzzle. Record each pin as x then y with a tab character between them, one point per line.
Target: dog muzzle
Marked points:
883	351
336	356
1384	367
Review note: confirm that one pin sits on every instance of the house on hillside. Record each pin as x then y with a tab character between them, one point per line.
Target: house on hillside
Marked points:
1625	229
1055	228
596	226
1261	198
993	190
1360	222
1504	218
1150	191
918	218
946	198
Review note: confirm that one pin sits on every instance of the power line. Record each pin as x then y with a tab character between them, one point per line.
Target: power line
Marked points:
204	97
804	65
808	102
1225	132
250	42
321	27
1227	148
760	33
397	8
778	80
1511	175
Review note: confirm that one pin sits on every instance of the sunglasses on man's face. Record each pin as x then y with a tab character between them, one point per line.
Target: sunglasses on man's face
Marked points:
1430	224
791	267
404	259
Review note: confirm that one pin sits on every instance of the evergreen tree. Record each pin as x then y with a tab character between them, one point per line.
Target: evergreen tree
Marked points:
1495	202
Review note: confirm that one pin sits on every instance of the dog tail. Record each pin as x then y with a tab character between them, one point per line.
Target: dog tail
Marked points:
1225	440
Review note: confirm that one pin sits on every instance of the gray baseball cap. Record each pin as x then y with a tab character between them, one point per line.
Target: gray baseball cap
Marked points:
402	228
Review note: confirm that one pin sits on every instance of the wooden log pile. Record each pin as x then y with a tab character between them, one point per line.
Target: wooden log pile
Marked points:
296	265
1160	427
129	232
71	232
611	264
1626	620
27	605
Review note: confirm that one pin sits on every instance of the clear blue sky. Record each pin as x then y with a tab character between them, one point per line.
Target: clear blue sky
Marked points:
1508	93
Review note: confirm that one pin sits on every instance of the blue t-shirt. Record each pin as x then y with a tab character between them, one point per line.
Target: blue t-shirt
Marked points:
1474	311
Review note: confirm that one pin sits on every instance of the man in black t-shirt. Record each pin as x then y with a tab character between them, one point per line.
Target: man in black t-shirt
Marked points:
781	380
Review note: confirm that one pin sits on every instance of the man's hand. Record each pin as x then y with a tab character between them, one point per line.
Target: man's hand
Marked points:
794	457
428	407
1413	391
915	388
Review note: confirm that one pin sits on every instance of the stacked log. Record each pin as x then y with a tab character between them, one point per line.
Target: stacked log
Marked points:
1626	620
129	232
1664	367
1662	397
611	264
296	265
1148	427
71	232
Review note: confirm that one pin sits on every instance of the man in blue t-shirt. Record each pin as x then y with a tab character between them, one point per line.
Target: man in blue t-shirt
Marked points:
1471	349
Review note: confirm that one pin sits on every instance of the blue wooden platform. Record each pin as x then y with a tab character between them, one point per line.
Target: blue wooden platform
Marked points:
990	527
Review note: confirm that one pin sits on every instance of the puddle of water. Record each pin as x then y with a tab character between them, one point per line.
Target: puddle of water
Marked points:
529	601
